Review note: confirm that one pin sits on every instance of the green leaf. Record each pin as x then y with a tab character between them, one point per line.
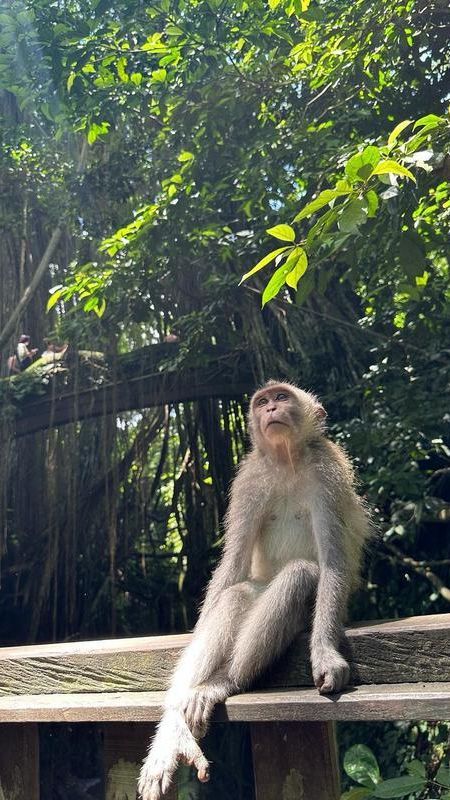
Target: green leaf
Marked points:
429	121
393	136
393	168
443	776
416	768
55	297
361	765
324	198
100	308
283	232
322	225
399	787
185	156
97	130
353	215
357	793
277	280
70	80
159	75
361	165
121	63
264	261
91	304
373	202
297	263
136	78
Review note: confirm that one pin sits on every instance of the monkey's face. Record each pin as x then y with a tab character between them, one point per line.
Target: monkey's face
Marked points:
281	415
276	412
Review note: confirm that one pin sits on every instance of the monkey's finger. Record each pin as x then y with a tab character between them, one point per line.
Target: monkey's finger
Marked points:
150	789
198	760
203	772
199	713
166	780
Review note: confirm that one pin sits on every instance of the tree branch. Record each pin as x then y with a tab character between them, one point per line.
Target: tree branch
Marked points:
42	267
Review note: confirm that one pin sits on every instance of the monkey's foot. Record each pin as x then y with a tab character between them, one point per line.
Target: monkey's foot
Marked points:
173	743
330	670
200	704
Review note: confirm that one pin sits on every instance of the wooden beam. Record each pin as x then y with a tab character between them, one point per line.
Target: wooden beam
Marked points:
137	380
138	393
384	702
409	650
19	762
293	760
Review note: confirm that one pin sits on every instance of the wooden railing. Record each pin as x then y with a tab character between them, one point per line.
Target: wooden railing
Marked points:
400	671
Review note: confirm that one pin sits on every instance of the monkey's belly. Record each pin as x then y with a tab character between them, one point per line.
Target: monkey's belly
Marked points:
286	536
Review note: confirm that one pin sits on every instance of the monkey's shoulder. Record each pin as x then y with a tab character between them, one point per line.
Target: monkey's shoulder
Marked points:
331	463
251	481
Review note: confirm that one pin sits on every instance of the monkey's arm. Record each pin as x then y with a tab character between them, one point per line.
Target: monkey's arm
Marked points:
330	670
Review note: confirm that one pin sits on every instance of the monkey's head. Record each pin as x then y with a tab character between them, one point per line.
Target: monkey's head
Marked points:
281	416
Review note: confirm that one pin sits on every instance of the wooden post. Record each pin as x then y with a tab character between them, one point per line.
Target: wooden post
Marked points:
125	745
295	761
19	762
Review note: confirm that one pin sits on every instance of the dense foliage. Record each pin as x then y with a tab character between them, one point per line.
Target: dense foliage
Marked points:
147	149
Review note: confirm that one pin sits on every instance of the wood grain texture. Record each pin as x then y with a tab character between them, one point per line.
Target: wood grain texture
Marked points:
19	762
295	761
124	748
387	702
410	650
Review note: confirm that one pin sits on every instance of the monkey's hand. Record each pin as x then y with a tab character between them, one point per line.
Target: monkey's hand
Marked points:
330	670
172	744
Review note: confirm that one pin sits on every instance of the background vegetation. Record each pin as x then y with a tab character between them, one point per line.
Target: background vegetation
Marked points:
146	149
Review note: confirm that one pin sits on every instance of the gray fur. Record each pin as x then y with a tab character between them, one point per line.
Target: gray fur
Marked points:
294	534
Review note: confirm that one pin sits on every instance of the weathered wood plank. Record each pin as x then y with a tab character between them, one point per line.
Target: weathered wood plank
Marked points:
415	649
136	381
386	702
124	748
293	760
19	762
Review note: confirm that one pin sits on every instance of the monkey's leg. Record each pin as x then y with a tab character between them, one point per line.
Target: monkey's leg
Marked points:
212	641
209	682
274	620
275	617
174	741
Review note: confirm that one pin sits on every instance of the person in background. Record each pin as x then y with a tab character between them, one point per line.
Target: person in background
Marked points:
53	352
24	354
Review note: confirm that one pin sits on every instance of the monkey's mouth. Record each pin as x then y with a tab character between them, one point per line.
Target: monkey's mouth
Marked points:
276	422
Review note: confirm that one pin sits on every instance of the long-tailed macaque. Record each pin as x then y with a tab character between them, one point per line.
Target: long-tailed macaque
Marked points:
294	534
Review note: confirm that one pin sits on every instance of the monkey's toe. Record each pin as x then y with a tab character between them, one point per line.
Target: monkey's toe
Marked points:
333	679
156	774
150	788
330	672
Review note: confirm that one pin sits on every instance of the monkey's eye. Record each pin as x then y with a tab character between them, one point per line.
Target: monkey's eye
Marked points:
282	396
262	401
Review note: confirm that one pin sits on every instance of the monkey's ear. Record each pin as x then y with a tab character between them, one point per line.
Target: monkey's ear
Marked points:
320	412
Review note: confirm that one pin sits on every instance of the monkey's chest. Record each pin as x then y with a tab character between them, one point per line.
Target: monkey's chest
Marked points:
286	535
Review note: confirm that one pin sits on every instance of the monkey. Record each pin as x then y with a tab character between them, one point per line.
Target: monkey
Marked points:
295	531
